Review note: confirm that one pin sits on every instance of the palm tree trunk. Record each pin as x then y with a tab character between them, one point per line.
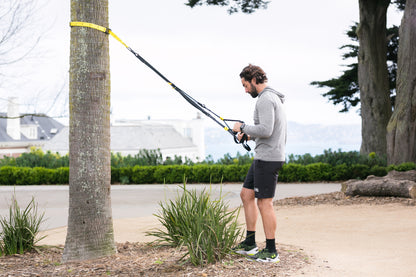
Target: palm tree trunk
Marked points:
90	226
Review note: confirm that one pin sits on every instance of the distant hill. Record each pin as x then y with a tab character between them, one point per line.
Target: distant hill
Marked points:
301	139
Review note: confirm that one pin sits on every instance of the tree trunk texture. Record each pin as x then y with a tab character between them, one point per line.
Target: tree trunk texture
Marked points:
401	130
373	76
90	226
397	184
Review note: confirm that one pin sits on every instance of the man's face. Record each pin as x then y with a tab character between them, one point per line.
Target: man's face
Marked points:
250	88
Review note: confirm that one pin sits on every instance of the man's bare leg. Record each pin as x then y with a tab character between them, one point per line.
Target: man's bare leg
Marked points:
250	208
268	217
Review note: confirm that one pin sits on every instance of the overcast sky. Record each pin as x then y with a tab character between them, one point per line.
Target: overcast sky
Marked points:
202	51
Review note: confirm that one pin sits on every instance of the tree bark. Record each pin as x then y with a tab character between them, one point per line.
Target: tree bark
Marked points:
396	184
401	130
373	76
90	226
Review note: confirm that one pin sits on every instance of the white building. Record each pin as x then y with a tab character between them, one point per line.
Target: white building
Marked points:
172	137
19	133
180	138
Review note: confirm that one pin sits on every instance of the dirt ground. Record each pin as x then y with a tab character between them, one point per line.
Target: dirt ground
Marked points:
324	235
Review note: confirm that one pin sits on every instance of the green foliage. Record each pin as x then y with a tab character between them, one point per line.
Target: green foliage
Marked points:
246	6
239	159
7	175
329	166
37	158
235	173
402	167
293	173
344	89
143	174
378	171
338	157
359	171
20	230
205	226
33	176
318	172
341	172
171	174
143	157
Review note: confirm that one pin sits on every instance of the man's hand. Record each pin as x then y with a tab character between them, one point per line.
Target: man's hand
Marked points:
237	126
240	136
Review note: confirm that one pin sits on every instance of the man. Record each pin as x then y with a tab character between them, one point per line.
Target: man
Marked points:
269	133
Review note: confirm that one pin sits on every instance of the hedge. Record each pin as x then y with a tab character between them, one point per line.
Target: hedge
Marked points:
201	173
33	176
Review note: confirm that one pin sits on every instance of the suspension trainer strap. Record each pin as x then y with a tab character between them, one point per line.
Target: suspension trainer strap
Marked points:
188	98
97	27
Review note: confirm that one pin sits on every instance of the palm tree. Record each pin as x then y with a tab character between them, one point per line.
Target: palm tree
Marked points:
90	225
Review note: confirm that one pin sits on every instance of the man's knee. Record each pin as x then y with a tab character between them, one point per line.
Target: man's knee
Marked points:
265	203
247	195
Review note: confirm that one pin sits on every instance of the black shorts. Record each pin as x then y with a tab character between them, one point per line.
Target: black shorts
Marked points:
262	178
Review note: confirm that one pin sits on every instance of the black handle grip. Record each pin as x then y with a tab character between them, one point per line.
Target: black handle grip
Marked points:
243	141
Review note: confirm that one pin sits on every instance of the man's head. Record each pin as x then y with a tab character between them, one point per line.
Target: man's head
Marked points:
254	79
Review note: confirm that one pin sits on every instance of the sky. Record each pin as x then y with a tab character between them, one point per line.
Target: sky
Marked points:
202	51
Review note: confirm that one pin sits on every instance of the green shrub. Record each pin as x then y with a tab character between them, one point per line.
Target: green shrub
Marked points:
406	166
143	175
115	175
216	173
359	171
378	171
200	173
335	158
61	175
293	173
171	174
341	172
20	230
7	176
318	172
205	226
23	176
235	173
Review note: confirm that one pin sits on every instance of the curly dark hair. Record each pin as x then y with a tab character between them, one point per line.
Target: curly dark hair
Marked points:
252	71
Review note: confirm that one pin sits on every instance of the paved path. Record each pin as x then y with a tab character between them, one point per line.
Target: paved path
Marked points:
131	201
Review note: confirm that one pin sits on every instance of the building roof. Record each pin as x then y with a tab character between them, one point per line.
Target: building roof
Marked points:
130	138
47	127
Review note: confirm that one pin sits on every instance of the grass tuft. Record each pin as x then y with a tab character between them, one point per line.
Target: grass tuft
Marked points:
206	227
19	231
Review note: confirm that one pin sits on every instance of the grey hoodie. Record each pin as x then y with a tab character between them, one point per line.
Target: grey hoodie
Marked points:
269	129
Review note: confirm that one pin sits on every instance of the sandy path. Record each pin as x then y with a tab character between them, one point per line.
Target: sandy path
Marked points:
357	240
353	240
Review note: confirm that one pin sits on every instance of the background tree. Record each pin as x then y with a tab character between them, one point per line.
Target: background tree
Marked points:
344	90
401	129
90	226
245	6
373	76
376	74
16	18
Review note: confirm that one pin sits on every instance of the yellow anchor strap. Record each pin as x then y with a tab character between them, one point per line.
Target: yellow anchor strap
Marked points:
97	27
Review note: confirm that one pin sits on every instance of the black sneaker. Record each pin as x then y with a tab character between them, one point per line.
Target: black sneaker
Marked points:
266	257
245	249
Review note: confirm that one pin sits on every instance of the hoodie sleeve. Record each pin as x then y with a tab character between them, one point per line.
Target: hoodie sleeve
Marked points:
264	117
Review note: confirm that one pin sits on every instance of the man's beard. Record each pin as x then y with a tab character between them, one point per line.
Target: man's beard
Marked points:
253	91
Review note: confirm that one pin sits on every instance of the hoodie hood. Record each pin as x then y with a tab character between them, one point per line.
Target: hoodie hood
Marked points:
281	95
